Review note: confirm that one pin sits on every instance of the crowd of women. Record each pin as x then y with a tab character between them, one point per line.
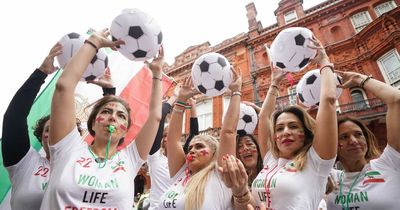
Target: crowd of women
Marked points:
290	165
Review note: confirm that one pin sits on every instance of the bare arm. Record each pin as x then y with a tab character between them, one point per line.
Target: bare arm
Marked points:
268	107
388	94
229	126
63	118
326	132
147	134
176	155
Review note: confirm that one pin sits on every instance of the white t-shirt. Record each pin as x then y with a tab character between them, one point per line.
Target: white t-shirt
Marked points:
78	182
377	185
216	195
289	188
29	178
159	177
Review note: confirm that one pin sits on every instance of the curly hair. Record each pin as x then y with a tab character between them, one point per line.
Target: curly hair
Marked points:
39	127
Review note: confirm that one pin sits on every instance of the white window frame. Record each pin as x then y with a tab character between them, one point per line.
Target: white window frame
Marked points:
225	104
359	26
384	7
290	16
395	82
364	96
292	95
205	114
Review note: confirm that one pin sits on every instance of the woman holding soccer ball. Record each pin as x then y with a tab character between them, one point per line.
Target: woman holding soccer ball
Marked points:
196	182
298	152
370	180
97	176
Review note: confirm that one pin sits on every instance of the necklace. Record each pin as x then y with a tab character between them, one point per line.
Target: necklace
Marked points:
267	184
97	159
350	189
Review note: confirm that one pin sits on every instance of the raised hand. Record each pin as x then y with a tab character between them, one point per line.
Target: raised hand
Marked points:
350	79
157	62
100	40
187	90
321	58
236	85
255	107
277	75
47	66
104	81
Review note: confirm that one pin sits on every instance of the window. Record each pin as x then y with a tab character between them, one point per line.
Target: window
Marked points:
384	7
358	99
292	96
360	20
290	16
205	114
389	65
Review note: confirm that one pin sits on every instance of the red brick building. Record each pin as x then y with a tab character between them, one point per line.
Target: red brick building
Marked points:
359	35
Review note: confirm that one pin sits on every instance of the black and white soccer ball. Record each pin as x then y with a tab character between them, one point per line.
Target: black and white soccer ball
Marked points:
308	90
70	45
211	74
248	120
140	32
290	51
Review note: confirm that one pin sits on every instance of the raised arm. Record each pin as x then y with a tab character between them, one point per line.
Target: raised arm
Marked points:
326	131
388	94
15	139
231	119
194	125
268	107
147	134
105	82
63	118
176	156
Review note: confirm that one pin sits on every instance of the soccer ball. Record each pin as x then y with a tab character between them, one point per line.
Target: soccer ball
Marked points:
141	33
247	120
71	43
290	51
308	89
211	74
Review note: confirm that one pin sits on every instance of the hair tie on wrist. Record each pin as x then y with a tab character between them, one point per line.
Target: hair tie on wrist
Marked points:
365	80
157	78
93	45
236	93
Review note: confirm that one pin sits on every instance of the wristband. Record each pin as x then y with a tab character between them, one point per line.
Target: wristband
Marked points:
91	44
157	78
236	93
365	80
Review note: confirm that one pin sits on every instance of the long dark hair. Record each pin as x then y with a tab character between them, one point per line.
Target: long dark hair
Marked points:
100	103
259	165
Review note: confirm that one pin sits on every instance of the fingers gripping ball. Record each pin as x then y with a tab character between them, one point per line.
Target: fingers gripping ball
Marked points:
308	90
141	33
211	74
247	120
290	51
71	43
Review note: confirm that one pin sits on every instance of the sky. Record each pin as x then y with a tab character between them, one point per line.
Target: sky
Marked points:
31	28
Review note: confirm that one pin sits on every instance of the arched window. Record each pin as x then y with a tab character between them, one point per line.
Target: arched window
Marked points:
358	98
205	114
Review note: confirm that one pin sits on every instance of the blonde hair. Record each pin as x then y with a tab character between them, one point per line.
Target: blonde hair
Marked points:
308	124
195	187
